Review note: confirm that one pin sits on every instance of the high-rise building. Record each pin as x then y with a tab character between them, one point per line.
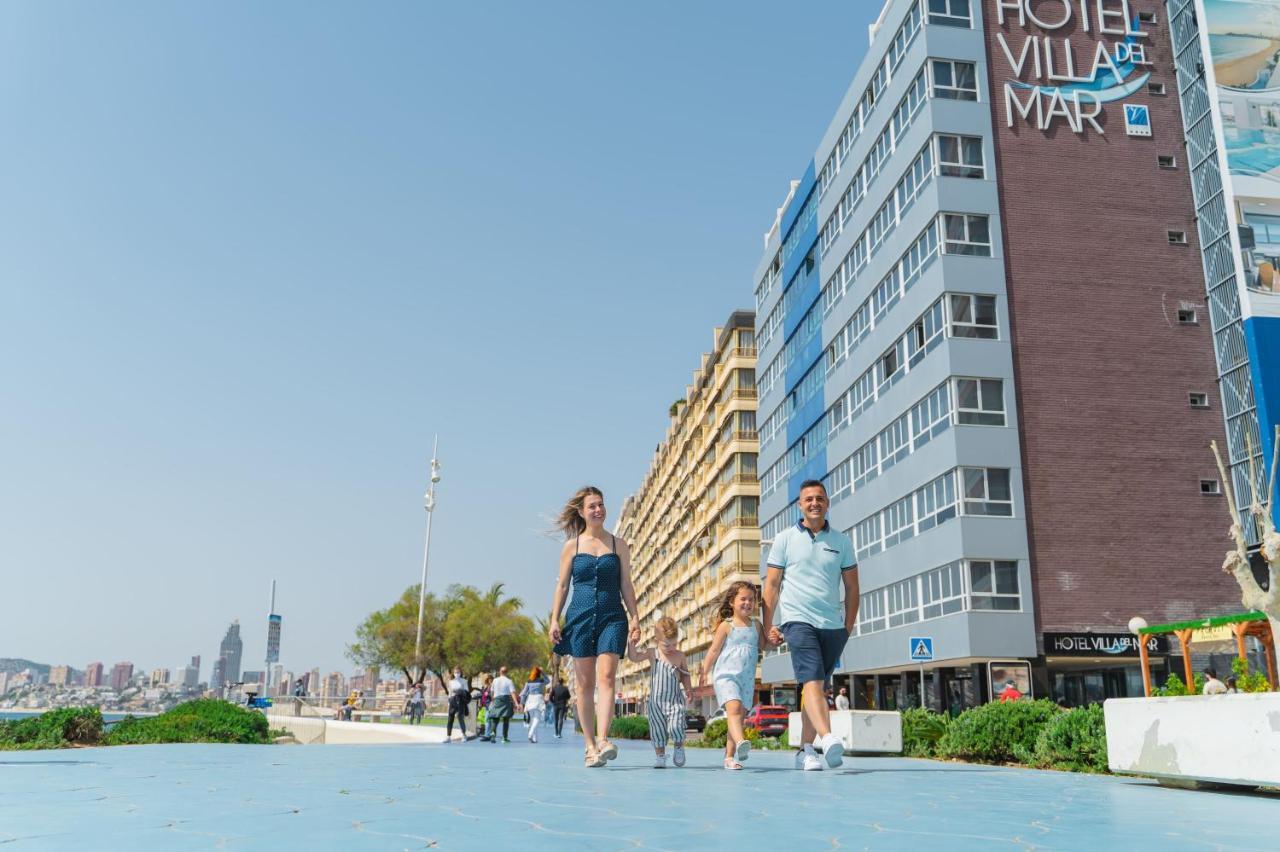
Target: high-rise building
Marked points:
230	650
982	324
274	624
186	677
4	683
121	673
693	525
159	677
218	677
333	686
1234	163
195	664
59	675
93	674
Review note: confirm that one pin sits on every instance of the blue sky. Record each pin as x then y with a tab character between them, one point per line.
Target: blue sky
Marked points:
253	257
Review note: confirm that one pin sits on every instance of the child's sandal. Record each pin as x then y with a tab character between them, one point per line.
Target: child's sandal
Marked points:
730	763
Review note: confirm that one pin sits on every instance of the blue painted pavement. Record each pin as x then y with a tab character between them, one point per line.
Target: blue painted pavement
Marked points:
532	797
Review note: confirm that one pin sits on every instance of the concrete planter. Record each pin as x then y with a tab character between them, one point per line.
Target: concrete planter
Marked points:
313	731
1214	739
863	731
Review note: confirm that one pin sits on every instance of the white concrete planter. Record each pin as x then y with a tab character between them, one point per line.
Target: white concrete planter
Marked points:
865	731
1221	739
312	731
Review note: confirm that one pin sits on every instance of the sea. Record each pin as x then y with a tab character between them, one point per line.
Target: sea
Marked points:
13	715
1224	48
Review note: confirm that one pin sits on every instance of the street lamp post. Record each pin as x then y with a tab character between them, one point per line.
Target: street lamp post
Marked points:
429	501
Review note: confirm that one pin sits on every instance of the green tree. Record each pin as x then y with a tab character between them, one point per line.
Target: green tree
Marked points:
472	630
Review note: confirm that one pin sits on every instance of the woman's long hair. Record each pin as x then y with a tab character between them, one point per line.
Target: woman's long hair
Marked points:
570	522
535	675
725	606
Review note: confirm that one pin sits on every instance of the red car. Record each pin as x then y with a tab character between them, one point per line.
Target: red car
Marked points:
769	719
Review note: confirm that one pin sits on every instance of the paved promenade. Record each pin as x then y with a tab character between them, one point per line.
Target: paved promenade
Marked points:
525	798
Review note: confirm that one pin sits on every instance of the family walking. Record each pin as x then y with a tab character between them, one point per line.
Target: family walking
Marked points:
810	568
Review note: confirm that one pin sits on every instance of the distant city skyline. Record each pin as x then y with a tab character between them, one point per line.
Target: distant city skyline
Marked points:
255	261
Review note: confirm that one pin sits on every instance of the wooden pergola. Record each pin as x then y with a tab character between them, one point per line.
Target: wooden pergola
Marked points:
1241	625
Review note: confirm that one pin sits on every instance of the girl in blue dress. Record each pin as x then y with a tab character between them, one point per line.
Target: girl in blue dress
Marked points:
734	650
595	630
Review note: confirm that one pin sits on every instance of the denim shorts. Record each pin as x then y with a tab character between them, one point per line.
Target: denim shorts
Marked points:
814	651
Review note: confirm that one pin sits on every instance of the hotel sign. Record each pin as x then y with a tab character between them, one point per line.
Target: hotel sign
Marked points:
1100	645
1068	78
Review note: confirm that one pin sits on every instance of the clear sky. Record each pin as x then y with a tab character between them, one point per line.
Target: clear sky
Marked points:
252	257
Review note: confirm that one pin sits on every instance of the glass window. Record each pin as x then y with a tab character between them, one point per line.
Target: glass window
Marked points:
957	81
980	402
949	13
993	585
966	233
960	156
973	316
986	491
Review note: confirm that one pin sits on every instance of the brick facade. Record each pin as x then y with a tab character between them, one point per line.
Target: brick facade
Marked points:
1113	454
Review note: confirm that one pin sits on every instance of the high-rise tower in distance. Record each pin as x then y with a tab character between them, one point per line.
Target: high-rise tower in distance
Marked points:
229	651
274	623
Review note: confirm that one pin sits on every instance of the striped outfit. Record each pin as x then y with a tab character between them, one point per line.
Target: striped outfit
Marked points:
666	704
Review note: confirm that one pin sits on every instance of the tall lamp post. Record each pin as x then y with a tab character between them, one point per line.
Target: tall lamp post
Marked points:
429	501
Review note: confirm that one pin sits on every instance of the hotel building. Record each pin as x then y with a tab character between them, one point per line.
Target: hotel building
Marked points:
982	322
693	526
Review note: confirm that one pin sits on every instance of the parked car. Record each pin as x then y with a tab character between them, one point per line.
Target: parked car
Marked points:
695	722
769	719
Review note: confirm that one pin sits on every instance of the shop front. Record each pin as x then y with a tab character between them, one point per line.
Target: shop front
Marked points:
1088	668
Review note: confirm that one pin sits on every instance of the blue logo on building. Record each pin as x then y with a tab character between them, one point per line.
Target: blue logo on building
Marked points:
1137	120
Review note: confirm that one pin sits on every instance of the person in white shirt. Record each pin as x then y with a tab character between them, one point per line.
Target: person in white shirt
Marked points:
502	706
1213	686
459	698
842	700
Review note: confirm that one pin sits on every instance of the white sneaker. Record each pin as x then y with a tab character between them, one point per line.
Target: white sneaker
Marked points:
810	762
678	757
799	760
659	761
832	749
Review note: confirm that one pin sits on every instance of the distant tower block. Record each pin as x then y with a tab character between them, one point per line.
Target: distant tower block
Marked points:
274	623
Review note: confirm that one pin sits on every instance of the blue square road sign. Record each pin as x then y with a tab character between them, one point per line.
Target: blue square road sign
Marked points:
921	649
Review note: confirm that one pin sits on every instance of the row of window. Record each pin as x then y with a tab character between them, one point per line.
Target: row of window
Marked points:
959	586
960	491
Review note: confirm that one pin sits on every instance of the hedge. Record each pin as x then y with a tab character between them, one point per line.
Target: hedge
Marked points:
999	732
205	720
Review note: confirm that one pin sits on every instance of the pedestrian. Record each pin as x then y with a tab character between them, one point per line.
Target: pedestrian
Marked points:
417	703
560	706
1232	685
734	650
842	700
485	724
300	688
808	565
459	698
1213	686
669	688
532	698
595	631
502	706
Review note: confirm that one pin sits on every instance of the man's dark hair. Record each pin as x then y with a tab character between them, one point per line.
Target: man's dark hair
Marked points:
1211	672
811	483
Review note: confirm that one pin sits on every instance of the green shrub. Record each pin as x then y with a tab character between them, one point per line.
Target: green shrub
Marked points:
629	727
205	720
1245	682
1173	686
715	734
1075	740
998	732
921	730
63	728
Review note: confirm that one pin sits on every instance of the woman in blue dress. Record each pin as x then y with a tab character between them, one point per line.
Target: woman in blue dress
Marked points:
595	630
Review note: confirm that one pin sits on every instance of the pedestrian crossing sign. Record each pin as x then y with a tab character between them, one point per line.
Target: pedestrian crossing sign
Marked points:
921	649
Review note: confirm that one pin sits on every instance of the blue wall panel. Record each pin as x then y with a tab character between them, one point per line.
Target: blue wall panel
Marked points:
1262	334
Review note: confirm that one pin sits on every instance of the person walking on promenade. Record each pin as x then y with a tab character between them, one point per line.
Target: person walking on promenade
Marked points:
734	650
560	705
842	700
532	699
807	566
459	698
502	707
595	631
668	673
417	703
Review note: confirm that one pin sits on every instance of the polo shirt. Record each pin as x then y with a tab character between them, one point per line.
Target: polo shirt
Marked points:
813	565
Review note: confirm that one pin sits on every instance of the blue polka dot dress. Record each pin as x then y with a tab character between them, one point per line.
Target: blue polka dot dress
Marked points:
595	622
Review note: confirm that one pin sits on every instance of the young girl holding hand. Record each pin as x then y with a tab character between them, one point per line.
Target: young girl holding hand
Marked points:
733	653
669	671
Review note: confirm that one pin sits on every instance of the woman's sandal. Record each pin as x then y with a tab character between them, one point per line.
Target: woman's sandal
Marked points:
730	763
608	750
593	759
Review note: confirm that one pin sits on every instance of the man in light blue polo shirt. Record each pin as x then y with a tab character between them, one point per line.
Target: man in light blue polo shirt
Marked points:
808	565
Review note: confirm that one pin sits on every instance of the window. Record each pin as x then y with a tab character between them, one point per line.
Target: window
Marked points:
986	491
949	13
993	584
1167	161
973	316
1210	486
1198	400
942	590
1155	88
980	402
957	81
965	233
871	612
1147	17
960	156
1177	238
904	606
1187	316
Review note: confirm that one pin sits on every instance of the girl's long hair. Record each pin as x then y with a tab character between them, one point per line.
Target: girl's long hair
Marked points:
535	675
725	606
570	521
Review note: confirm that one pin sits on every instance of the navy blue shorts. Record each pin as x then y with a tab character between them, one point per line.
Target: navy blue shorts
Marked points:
814	651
